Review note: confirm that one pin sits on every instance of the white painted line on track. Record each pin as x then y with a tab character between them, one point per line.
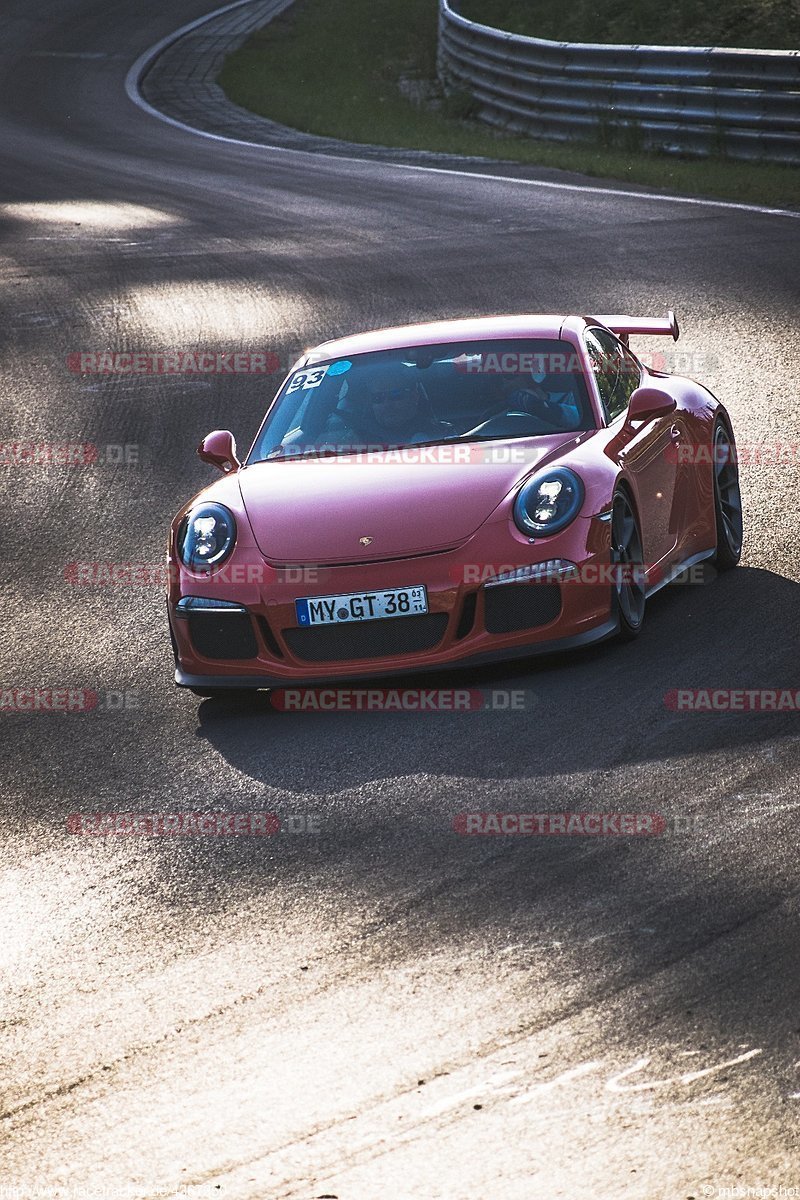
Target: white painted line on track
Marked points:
134	75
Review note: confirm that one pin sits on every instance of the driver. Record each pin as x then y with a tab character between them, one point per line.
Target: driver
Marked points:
550	398
398	413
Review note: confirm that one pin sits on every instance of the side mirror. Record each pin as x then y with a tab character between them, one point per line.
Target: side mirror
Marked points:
219	449
647	403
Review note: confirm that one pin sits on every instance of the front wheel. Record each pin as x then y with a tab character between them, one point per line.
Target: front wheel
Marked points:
727	499
627	559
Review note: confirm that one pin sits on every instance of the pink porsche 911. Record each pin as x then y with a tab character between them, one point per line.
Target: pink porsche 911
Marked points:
446	495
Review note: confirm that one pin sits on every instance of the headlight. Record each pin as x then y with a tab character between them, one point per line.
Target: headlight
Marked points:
547	503
206	537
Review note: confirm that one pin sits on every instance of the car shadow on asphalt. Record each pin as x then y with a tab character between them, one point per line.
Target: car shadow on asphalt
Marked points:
588	710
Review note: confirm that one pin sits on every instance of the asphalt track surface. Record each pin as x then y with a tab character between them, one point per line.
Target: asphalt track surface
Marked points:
384	1008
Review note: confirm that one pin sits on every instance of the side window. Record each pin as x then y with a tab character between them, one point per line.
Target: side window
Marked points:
630	372
616	370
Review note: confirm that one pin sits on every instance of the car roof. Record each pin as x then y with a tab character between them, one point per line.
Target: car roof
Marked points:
433	332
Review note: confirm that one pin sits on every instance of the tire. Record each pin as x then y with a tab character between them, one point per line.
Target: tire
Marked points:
727	498
628	589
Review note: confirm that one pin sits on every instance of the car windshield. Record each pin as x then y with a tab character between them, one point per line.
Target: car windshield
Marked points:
389	399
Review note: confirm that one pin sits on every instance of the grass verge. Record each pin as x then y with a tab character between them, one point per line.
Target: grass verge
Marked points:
364	71
753	24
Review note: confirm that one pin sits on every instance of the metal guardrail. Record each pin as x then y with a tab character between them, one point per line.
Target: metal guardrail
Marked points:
742	104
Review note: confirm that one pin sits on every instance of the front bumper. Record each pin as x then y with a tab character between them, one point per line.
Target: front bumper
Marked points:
471	620
590	637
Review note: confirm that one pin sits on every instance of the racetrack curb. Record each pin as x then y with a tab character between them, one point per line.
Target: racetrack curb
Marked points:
175	82
180	82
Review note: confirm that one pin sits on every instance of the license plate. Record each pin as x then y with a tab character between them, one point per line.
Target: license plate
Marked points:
361	606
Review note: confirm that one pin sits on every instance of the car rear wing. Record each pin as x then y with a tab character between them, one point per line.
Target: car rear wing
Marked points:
623	327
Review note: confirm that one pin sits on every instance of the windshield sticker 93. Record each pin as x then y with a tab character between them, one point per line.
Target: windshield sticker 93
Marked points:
310	378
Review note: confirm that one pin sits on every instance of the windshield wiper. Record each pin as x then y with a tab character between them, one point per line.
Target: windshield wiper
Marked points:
283	456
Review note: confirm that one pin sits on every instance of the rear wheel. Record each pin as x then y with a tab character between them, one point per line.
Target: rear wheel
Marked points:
727	499
628	560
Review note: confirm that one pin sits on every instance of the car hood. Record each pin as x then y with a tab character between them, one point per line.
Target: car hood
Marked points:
319	510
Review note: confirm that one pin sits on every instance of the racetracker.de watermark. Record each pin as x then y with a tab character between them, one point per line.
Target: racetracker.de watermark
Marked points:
560	824
409	700
758	700
528	363
69	454
445	454
173	362
569	574
746	454
44	700
191	824
112	574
